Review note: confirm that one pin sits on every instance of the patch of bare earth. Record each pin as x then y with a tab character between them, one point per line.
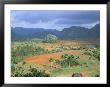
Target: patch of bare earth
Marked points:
43	59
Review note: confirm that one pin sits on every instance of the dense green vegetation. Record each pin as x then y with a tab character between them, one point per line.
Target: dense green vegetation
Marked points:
69	60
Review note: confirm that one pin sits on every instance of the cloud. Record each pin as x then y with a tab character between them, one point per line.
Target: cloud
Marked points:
53	18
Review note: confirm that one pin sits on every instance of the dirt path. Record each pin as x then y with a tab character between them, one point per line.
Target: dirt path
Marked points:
43	59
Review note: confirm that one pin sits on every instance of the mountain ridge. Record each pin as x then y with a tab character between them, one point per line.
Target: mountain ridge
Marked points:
71	33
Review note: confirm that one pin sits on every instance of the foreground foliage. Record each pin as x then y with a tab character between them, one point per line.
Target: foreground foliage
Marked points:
26	70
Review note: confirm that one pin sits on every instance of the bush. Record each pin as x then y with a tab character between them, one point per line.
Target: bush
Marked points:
78	48
54	51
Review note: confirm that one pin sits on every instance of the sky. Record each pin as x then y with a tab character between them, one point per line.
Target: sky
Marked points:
54	19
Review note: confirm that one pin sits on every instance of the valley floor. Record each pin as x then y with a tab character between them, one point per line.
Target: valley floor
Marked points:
89	66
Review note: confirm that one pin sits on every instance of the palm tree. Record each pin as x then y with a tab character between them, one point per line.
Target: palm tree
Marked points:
69	60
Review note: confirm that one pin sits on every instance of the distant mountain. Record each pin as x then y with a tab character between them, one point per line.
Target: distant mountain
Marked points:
95	31
77	32
19	33
71	33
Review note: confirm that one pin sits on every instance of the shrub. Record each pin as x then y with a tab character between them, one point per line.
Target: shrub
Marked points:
54	51
78	48
51	60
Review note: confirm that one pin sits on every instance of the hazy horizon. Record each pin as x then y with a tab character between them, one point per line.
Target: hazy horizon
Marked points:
54	19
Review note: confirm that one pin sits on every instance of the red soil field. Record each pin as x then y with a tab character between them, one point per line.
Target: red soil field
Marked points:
43	59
